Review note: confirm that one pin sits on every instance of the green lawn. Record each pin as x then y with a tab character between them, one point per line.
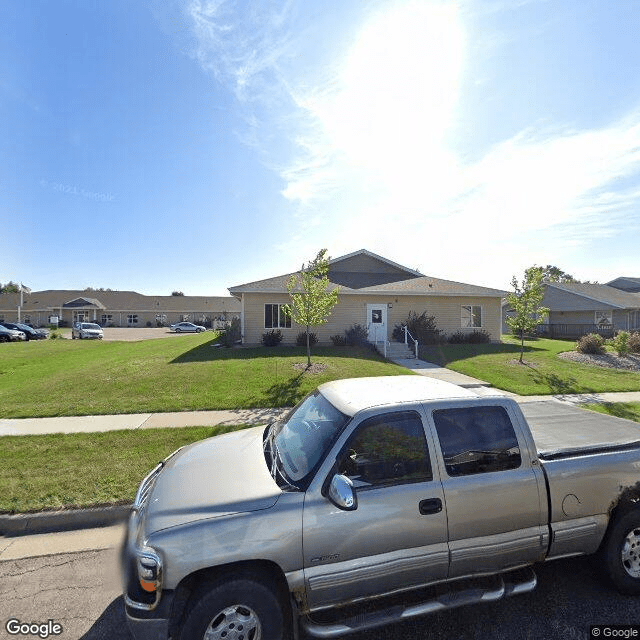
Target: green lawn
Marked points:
628	410
64	377
84	469
543	372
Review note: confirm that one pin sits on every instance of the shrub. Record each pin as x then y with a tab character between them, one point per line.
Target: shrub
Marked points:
149	323
356	335
592	343
231	333
339	340
621	343
301	339
422	327
272	338
55	335
634	342
473	337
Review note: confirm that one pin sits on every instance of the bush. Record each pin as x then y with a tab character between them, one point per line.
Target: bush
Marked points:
339	340
356	335
149	323
634	342
230	333
621	343
301	339
422	327
592	343
272	338
55	335
474	337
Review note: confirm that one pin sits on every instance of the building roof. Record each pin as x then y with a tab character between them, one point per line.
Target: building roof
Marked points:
364	272
116	301
599	293
626	284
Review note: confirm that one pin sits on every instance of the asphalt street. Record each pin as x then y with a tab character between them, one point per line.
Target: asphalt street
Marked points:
81	592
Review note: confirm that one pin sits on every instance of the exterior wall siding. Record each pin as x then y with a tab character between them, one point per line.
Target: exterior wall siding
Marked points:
352	309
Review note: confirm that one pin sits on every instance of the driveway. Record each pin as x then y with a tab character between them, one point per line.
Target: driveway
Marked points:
135	334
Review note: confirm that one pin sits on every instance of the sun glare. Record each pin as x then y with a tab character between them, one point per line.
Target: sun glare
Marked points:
398	88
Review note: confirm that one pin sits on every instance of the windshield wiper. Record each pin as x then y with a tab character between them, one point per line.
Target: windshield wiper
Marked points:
277	471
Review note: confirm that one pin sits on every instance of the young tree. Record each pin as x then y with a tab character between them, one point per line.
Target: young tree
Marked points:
526	302
311	298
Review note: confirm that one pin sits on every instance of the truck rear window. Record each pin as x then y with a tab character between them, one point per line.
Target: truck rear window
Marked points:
476	440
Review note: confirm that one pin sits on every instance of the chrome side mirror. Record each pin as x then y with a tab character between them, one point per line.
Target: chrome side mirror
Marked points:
342	493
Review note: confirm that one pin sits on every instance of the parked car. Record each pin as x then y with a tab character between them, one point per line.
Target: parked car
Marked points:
87	330
185	327
372	487
29	332
10	335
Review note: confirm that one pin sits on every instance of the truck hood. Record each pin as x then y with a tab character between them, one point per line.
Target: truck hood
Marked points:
217	477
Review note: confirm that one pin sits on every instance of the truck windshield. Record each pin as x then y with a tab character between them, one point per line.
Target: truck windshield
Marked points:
303	438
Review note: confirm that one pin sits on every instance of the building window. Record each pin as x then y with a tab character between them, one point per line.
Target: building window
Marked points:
471	316
604	318
26	319
185	317
275	317
106	319
132	318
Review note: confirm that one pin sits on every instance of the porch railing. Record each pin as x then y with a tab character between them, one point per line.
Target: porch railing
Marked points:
407	336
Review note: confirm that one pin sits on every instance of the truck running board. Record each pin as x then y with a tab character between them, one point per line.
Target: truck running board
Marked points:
459	594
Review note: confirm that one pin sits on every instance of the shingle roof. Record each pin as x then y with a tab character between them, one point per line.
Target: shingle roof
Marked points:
601	293
396	280
119	301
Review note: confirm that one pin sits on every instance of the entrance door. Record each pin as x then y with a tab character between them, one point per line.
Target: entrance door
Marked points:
377	322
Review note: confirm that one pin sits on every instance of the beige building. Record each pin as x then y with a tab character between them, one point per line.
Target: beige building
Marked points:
115	308
377	294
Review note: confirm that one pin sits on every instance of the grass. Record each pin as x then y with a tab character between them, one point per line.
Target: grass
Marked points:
543	372
628	410
69	378
85	469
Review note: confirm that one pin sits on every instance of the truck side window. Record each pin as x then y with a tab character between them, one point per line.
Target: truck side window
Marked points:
388	449
476	440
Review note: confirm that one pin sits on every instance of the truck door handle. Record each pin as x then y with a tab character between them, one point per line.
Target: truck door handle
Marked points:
431	505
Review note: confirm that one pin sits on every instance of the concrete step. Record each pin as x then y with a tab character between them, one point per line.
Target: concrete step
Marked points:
396	350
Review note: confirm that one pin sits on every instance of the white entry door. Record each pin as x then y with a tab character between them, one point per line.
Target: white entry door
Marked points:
377	322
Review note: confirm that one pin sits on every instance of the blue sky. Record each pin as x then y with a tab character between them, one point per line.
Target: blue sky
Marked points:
196	145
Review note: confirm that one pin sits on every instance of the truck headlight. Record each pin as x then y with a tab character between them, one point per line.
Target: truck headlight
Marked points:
149	567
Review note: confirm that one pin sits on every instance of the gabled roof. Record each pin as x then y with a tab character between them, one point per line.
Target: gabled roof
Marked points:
626	284
364	272
84	302
599	293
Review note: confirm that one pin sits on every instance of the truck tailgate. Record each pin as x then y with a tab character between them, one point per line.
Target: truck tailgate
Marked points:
562	430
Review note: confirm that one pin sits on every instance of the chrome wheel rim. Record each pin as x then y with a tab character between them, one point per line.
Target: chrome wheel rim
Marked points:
631	553
238	622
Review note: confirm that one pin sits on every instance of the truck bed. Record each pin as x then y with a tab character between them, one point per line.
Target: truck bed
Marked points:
561	430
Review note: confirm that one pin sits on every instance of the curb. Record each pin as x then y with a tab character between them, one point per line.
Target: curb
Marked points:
70	519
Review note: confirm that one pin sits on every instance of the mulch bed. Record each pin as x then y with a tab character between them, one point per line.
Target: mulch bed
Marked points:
609	360
316	367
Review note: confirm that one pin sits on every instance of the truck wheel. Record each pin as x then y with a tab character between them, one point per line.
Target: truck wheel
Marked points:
241	609
622	553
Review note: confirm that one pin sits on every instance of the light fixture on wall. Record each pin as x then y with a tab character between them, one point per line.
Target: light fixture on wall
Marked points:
390	305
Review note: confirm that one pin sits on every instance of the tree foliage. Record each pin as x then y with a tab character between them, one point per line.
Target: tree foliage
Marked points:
551	273
10	287
526	303
177	293
311	298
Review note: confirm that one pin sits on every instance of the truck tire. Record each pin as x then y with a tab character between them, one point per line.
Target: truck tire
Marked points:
621	553
241	609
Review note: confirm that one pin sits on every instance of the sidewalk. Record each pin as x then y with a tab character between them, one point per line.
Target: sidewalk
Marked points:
76	519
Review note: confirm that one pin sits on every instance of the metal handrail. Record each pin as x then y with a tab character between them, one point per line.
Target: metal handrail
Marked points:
407	334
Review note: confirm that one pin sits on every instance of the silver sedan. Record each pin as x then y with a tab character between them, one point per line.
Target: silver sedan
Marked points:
184	327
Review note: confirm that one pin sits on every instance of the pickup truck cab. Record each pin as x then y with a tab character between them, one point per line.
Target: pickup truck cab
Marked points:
373	490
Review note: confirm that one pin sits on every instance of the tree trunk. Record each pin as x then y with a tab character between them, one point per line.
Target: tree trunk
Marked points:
521	345
308	349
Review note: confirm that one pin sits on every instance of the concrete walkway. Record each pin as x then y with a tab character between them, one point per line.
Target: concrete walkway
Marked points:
49	543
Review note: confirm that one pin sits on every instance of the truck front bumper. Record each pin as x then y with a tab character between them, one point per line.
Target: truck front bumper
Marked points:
151	625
